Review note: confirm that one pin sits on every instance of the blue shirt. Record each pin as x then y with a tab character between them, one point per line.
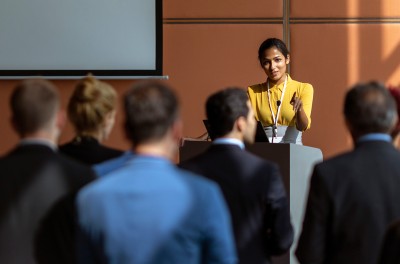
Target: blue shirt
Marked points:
150	211
230	141
375	136
108	166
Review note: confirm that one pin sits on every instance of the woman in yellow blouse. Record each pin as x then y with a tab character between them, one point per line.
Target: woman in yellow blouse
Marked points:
282	104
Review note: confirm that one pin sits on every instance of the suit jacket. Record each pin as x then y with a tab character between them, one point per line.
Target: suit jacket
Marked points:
352	199
256	198
37	214
390	253
89	151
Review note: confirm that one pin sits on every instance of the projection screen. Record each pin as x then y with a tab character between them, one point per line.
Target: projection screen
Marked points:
118	38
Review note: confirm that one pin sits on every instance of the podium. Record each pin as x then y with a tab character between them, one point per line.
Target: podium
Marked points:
295	162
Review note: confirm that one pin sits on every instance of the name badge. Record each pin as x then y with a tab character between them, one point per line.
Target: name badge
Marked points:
276	139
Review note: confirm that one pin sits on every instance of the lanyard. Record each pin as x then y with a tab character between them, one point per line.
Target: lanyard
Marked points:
275	118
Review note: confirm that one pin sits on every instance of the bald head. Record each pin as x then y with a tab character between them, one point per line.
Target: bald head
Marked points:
369	108
34	104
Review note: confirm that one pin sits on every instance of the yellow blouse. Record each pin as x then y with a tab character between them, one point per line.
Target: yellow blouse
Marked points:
258	96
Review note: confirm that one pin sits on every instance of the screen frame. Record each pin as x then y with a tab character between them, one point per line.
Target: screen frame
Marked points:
109	74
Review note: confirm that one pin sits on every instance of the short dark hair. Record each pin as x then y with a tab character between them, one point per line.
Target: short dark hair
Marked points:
270	43
33	105
369	108
150	108
223	108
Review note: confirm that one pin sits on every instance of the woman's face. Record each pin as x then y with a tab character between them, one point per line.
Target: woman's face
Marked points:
274	64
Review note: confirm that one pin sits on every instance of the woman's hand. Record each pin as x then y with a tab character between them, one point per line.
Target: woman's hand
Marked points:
297	103
301	118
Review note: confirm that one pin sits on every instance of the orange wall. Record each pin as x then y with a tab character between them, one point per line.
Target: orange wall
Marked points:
209	45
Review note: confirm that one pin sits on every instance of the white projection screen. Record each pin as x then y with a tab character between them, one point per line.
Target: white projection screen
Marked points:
71	38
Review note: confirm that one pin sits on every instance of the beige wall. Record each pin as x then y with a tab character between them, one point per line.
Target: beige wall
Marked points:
210	44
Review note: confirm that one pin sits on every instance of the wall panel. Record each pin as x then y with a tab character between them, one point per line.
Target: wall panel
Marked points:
344	8
7	135
323	63
201	59
222	8
340	56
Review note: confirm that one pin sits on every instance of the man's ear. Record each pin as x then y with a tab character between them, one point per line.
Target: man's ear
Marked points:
354	134
348	125
177	130
61	119
395	124
14	125
241	123
110	118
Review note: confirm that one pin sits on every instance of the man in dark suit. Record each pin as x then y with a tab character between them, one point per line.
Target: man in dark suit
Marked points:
252	186
354	196
390	253
37	185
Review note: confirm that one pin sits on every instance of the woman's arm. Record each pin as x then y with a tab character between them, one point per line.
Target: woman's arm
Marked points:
302	106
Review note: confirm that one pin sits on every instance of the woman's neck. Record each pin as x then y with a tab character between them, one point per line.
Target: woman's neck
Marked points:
96	136
278	82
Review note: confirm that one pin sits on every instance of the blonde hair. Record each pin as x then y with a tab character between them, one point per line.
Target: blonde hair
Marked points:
89	105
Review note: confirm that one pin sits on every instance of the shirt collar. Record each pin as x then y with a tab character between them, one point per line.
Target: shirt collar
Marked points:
38	141
229	141
280	86
374	137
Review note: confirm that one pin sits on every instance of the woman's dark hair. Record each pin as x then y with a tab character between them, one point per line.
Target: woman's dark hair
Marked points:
270	43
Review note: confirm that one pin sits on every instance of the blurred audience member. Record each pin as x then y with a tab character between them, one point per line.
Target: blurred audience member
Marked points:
149	211
91	110
252	186
37	184
395	91
354	196
390	253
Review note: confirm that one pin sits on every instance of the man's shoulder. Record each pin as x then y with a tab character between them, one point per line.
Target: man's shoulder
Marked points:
72	164
345	166
341	157
224	154
195	180
108	166
240	163
336	164
37	153
370	150
29	160
117	180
